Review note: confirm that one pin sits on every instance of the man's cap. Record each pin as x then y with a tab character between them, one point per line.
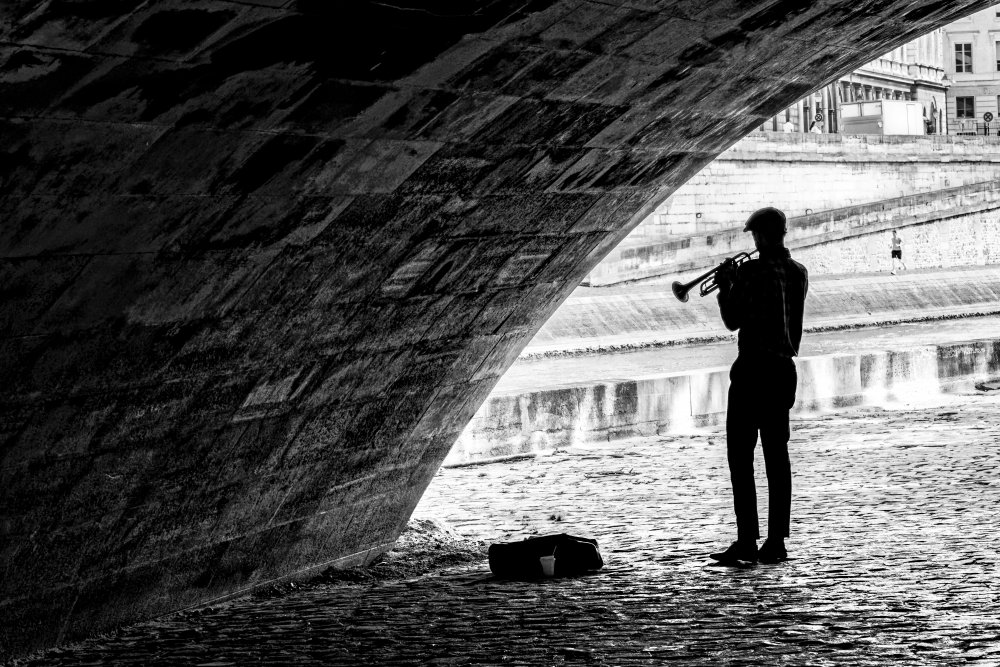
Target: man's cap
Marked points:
767	219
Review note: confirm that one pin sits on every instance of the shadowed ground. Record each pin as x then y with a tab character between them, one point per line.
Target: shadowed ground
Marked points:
893	546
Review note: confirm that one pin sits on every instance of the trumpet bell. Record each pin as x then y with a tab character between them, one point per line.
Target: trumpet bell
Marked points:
681	290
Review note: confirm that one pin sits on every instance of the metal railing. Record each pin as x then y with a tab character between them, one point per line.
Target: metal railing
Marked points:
971	127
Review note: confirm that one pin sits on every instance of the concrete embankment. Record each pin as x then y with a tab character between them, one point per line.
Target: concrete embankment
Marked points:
834	188
635	316
558	411
803	173
955	226
559	417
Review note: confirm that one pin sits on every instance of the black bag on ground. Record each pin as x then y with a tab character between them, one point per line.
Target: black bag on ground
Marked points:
522	560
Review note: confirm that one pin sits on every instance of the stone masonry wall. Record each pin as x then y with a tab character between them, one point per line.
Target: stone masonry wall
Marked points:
554	418
802	173
967	240
648	314
848	239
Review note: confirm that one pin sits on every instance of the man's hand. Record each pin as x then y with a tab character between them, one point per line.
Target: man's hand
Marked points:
725	275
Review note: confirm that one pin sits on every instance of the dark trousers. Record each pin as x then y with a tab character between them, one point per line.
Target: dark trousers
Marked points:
761	393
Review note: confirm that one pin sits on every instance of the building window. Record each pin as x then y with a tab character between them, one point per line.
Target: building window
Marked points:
965	107
963	57
997	46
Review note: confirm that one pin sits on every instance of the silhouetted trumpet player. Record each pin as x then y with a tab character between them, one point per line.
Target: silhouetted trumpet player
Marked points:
763	298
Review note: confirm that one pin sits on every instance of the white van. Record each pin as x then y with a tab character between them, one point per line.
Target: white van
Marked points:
882	117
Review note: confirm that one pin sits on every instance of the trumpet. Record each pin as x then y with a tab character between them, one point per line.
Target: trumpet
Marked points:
707	279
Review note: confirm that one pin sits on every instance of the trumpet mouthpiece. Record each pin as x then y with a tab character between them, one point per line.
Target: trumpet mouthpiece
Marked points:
680	290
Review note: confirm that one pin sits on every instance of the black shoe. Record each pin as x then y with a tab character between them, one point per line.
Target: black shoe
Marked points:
737	551
770	552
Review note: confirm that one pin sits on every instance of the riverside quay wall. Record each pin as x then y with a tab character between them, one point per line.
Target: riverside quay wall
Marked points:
842	194
952	227
628	317
640	400
558	417
807	173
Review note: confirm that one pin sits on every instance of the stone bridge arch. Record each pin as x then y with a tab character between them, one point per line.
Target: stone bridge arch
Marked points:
262	260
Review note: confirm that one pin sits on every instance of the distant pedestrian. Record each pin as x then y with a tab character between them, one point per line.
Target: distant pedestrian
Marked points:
764	299
816	128
896	252
788	127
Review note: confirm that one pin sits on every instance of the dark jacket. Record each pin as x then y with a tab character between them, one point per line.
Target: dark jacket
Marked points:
765	303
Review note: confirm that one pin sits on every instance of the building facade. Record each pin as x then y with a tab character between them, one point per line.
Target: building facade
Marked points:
915	71
973	65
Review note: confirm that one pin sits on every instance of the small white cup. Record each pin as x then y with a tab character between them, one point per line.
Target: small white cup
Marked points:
548	565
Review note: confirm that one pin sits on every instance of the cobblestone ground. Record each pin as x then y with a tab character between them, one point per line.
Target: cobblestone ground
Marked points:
894	562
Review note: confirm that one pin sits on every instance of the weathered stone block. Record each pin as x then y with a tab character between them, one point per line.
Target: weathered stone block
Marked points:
32	80
709	393
666	402
154	31
548	69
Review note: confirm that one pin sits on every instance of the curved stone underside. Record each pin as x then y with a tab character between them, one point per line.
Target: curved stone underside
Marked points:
262	260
